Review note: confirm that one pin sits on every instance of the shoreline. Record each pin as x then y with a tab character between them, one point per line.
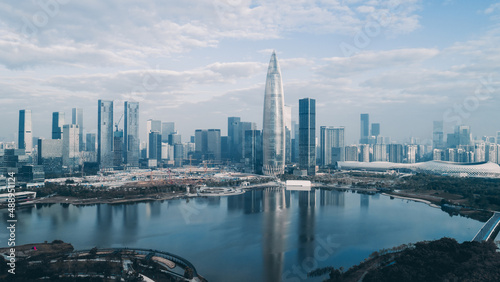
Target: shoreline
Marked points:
93	201
429	203
480	215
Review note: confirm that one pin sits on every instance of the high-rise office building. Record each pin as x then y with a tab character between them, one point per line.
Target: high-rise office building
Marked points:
233	134
174	138
213	144
395	153
57	124
105	134
90	141
379	153
375	131
131	134
200	141
155	146
224	151
364	153
273	128
351	153
208	144
50	155
152	125
438	135
331	145
71	145
479	152
295	142
25	137
288	133
253	150
179	155
77	118
461	137
437	155
118	148
491	152
244	126
364	132
411	153
307	135
451	155
167	128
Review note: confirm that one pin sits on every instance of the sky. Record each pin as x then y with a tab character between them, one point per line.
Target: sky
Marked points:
198	62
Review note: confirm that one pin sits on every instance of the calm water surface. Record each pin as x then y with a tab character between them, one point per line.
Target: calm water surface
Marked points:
262	235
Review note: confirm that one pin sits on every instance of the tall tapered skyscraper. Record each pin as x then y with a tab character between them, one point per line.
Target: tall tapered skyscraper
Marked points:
273	129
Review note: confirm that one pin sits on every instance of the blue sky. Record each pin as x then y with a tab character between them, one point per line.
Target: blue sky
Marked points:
406	63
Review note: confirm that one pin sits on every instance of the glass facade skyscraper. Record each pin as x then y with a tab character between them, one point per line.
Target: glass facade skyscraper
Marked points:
105	134
331	145
365	129
233	133
25	137
77	118
438	135
57	125
151	126
167	128
307	135
131	134
375	129
273	139
71	145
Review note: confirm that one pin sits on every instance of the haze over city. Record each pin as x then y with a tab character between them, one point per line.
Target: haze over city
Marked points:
196	63
250	140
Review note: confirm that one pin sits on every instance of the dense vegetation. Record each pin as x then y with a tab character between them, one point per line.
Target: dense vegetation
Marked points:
131	190
84	192
440	260
482	193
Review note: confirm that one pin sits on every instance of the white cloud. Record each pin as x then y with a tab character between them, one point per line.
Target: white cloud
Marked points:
492	8
127	32
374	61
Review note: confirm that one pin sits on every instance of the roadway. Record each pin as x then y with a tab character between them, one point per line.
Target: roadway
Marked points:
488	229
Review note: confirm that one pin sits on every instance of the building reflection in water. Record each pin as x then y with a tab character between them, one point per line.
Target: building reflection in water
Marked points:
253	201
276	202
331	198
153	209
306	224
130	223
104	226
364	201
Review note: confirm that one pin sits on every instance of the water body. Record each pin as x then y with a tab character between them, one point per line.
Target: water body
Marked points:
262	235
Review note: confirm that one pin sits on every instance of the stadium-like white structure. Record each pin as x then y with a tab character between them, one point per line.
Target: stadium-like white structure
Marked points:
482	169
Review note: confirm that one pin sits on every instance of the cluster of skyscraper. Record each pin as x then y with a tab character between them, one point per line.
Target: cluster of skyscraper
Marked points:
281	146
461	147
68	150
372	146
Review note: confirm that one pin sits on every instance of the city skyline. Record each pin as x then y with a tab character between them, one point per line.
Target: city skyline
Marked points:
418	67
250	140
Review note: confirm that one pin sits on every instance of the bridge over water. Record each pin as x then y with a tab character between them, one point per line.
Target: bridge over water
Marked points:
489	229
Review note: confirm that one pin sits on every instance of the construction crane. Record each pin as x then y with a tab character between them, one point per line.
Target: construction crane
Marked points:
116	124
